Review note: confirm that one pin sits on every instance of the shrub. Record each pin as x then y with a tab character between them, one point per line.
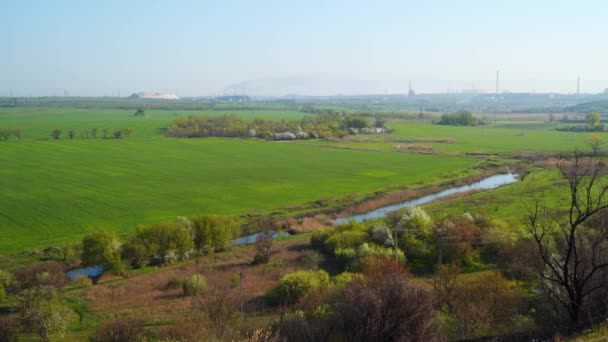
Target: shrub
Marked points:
294	286
120	330
312	259
98	247
346	239
166	242
194	285
319	236
344	278
214	232
263	247
382	235
49	273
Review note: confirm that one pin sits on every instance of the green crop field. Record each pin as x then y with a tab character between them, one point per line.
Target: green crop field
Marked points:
54	191
37	123
473	139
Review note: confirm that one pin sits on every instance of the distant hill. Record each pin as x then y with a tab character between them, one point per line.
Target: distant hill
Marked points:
154	96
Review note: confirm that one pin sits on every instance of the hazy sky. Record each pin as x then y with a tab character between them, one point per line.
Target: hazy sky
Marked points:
202	47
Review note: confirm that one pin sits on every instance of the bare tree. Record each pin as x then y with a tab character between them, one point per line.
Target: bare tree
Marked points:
572	251
263	246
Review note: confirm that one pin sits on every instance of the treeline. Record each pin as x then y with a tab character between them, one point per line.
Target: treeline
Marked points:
326	125
462	118
93	133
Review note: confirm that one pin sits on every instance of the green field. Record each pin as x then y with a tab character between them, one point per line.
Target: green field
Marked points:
37	123
54	191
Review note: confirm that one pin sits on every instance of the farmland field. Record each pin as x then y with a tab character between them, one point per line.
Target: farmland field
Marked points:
55	191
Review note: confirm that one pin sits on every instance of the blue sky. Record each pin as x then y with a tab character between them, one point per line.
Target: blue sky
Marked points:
202	47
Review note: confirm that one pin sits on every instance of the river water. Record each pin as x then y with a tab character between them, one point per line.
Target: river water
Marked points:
489	183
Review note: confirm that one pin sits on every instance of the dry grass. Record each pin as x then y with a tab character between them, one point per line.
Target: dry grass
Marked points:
147	296
419	147
437	140
309	224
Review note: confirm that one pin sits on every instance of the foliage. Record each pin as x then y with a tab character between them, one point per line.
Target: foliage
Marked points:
165	242
321	126
102	248
462	118
56	133
593	119
486	304
294	286
263	247
382	235
214	232
194	285
49	273
41	312
139	112
312	259
382	305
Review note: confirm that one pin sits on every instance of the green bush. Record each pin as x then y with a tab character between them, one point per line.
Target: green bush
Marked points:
344	278
193	285
214	233
166	242
296	285
100	248
319	236
346	239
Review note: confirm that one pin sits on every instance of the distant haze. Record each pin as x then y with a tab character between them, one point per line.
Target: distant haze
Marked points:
275	48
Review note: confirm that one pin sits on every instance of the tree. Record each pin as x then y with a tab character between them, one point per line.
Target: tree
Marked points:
384	305
593	119
595	142
126	132
5	133
56	133
41	312
139	112
571	256
118	134
263	246
71	133
166	242
100	248
94	133
214	232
